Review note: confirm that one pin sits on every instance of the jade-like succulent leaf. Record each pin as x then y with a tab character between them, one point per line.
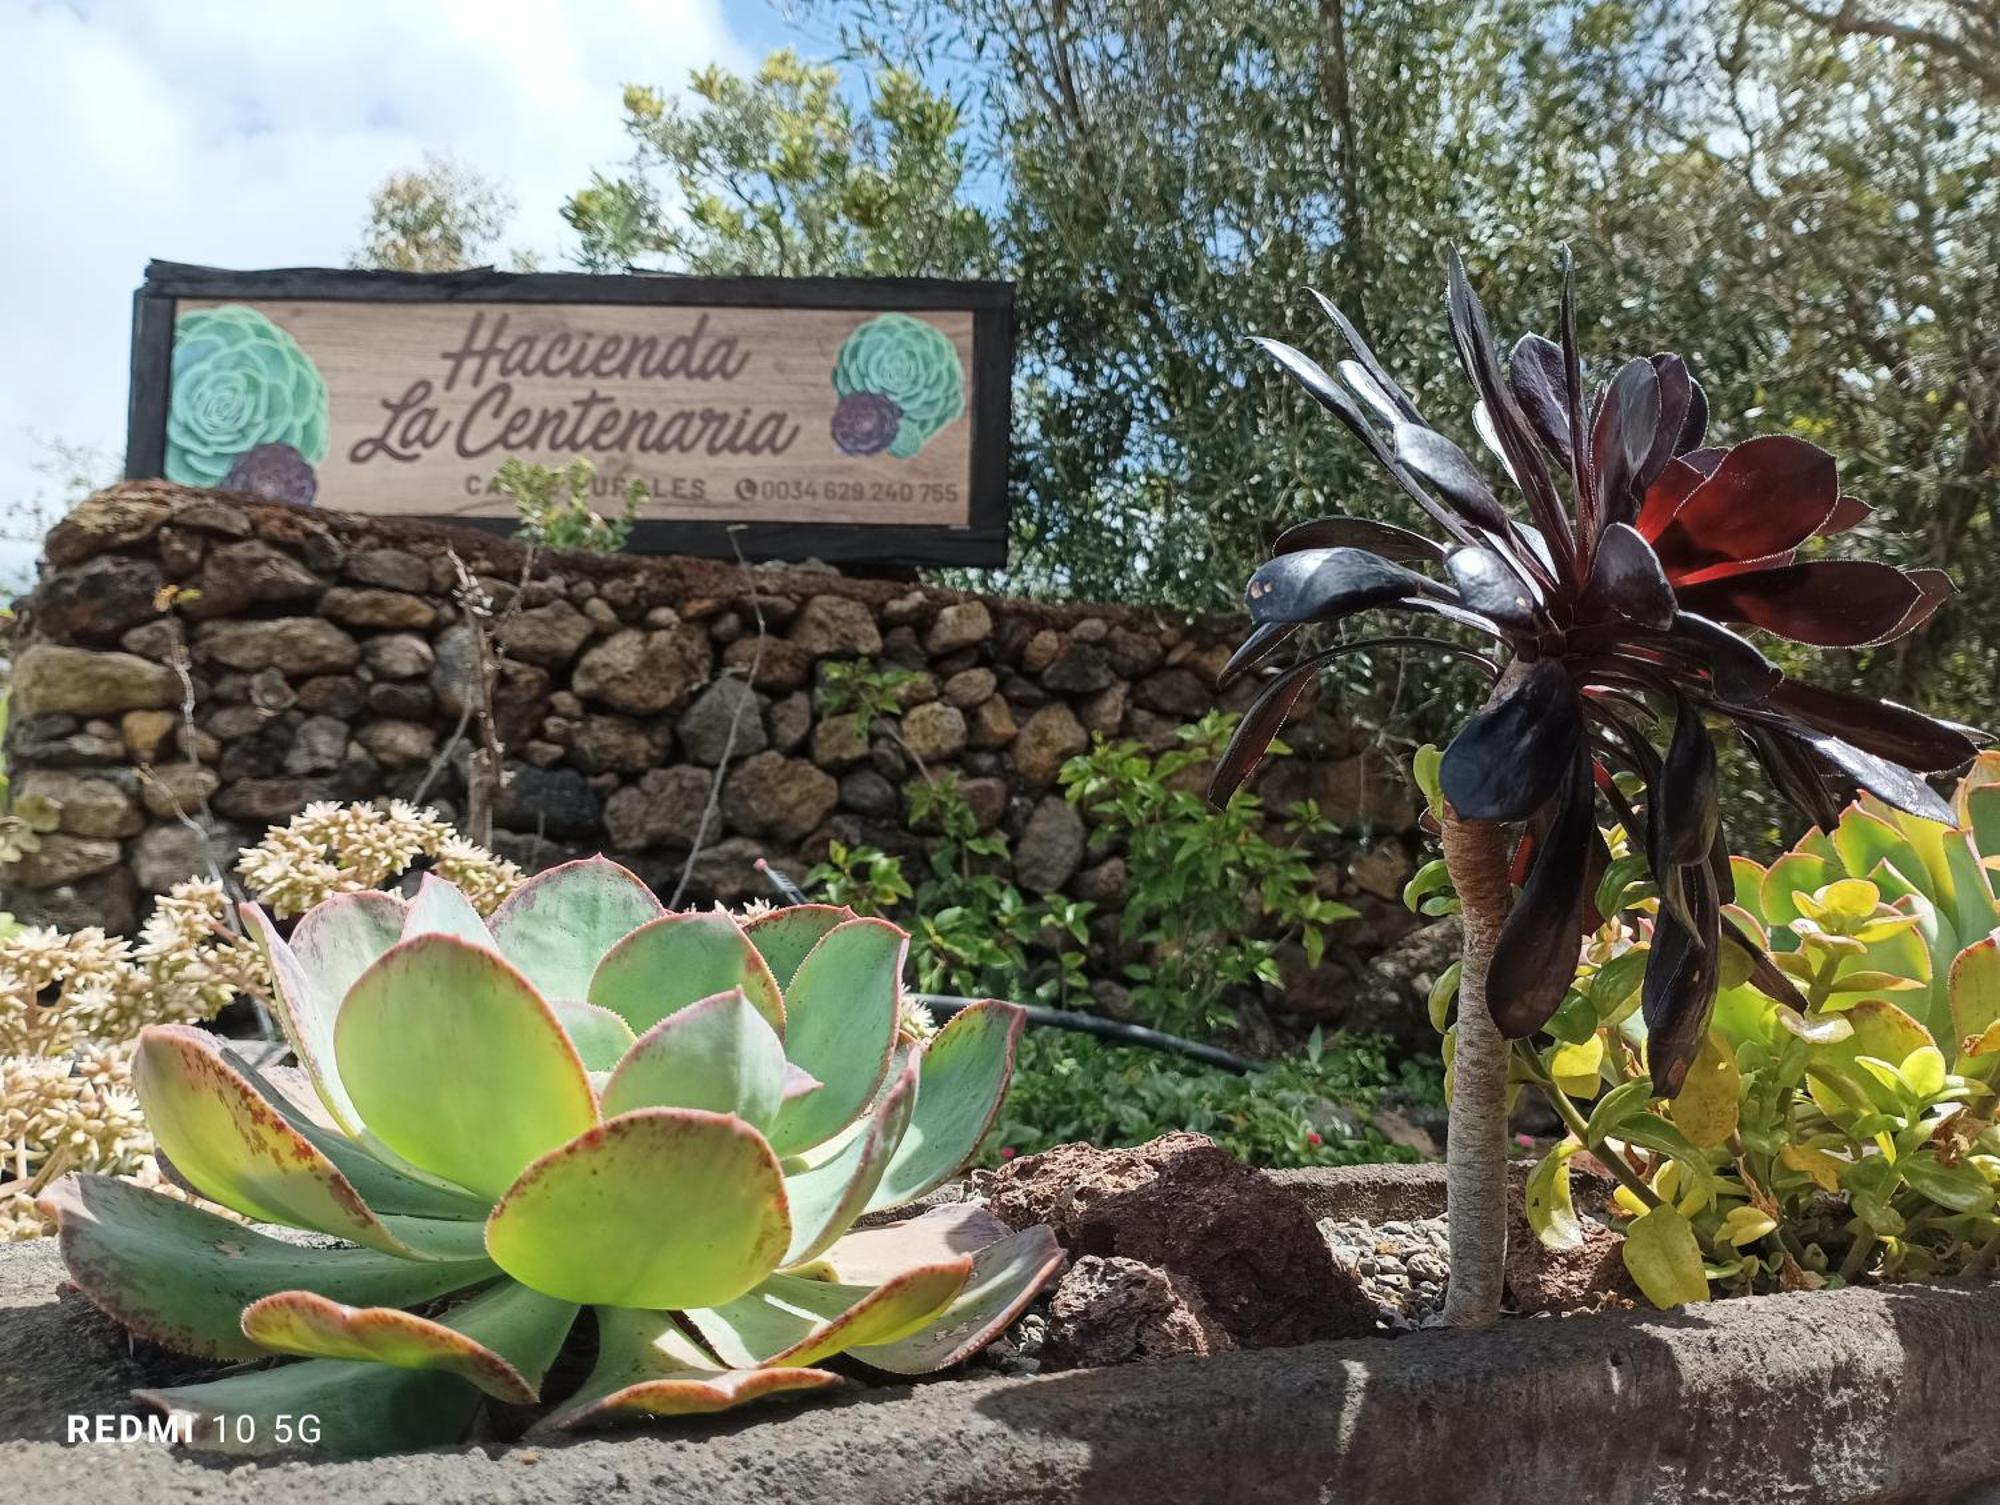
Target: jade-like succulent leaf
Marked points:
238	1150
180	1276
558	925
672	961
827	1197
1975	988
1005	1277
299	1322
332	944
784	936
660	1207
360	1407
647	1366
717	1054
601	1038
458	1064
841	1011
790	1320
441	909
385	1188
963	1078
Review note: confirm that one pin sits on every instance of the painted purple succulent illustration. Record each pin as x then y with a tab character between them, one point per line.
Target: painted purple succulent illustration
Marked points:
275	472
865	423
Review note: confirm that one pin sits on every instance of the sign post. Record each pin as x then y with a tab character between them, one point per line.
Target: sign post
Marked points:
851	420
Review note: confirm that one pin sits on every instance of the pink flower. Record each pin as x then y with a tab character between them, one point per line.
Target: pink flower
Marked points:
1314	1139
1008	1152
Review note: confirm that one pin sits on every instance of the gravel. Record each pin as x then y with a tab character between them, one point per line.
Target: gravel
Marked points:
1400	1266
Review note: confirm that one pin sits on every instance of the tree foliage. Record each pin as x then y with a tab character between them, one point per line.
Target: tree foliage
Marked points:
440	217
779	174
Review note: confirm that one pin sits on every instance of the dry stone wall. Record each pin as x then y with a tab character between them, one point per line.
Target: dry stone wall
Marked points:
330	657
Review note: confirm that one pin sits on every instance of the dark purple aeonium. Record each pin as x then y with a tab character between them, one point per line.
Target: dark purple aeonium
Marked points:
1611	612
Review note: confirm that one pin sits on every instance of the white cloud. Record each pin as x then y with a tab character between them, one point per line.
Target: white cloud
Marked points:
248	133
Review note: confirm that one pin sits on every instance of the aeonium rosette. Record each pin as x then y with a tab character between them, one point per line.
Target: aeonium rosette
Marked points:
1616	612
672	1118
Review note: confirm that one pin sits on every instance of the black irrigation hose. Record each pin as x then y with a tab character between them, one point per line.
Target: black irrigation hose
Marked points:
944	1005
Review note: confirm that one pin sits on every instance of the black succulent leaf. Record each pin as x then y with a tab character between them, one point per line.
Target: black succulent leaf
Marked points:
1617	596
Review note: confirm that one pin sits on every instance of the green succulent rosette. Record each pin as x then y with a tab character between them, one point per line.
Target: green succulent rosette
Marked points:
239	381
912	365
678	1119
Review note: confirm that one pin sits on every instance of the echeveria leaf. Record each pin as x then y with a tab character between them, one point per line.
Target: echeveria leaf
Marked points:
357	1409
1005	1277
717	1054
841	1009
647	1366
827	1197
870	1256
180	1276
784	936
963	1075
664	1208
436	1010
670	962
360	1407
331	945
236	1149
384	1187
311	1326
790	1320
601	1038
558	925
441	909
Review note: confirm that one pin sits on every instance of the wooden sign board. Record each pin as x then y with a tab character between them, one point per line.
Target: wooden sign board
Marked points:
857	420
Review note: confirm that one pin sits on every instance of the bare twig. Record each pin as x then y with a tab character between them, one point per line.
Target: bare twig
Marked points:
714	799
485	771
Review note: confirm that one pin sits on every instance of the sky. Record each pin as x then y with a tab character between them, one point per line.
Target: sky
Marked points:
248	133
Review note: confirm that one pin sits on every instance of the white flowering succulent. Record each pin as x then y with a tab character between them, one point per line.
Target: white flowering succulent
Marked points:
72	1004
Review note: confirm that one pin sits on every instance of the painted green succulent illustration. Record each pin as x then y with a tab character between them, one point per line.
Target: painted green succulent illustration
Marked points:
239	382
899	381
673	1118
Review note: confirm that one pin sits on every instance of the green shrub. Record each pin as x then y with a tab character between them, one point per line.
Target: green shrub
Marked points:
1072	1087
1212	896
1838	1120
555	511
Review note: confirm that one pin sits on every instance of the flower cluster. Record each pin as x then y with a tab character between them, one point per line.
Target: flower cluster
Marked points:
333	849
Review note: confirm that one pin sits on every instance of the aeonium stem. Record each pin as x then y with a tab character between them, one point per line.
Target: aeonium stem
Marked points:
1475	854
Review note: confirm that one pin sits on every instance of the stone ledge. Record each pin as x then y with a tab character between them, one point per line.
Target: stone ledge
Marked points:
1863	1395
